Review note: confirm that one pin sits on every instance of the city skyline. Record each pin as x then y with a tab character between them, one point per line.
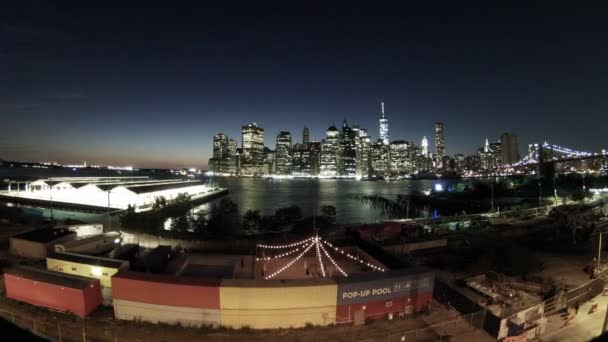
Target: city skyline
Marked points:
152	88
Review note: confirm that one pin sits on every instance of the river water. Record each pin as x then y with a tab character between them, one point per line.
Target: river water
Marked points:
268	195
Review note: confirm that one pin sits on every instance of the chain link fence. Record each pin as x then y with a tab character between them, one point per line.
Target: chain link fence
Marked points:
58	331
442	331
77	330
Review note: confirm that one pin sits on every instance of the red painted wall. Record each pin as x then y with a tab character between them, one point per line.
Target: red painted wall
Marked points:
378	309
166	290
66	299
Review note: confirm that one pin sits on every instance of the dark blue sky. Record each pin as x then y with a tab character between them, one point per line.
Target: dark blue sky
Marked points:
147	85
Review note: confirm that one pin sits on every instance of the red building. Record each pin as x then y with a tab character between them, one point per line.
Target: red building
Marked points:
53	290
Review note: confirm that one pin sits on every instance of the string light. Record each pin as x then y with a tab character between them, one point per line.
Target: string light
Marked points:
317	242
290	263
319	256
295	244
279	255
333	262
372	266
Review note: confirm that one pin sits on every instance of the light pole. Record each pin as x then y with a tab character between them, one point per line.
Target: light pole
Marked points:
540	192
51	195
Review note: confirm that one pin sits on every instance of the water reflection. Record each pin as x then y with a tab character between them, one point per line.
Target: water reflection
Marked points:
268	195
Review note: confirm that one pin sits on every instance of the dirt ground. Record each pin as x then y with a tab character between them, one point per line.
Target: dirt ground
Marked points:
567	269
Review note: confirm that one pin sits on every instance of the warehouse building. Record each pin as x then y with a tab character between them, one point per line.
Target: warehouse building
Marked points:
37	244
189	301
53	290
112	193
88	266
92	245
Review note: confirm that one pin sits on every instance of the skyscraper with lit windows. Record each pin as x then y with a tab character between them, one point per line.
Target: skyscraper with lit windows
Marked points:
283	153
439	144
383	125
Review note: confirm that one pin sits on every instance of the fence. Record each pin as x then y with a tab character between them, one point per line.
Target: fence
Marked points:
442	331
79	330
580	294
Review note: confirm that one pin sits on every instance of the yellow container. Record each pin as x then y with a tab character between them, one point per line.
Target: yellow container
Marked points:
277	304
88	266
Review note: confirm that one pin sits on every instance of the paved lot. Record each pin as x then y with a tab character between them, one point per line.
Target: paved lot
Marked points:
584	327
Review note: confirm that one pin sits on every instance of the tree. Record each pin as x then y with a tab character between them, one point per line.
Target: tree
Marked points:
252	220
182	223
328	212
224	216
288	215
159	203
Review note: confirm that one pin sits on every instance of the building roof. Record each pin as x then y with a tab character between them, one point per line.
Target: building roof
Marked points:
277	283
88	260
51	277
109	186
371	276
44	235
123	252
89	239
140	189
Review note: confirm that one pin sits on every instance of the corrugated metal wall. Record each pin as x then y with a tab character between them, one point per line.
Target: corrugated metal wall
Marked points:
28	249
164	290
383	293
52	296
277	304
380	309
86	270
383	287
188	316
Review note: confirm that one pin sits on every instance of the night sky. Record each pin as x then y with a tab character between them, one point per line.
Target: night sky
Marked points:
149	86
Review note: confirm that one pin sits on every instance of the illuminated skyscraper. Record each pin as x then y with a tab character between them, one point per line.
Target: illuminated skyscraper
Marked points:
439	141
348	151
283	153
225	158
330	149
425	147
253	158
383	125
253	142
305	136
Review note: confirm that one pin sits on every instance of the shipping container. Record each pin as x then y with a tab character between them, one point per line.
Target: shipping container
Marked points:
88	266
53	290
83	230
380	309
277	303
164	289
186	316
93	245
378	294
37	244
377	286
